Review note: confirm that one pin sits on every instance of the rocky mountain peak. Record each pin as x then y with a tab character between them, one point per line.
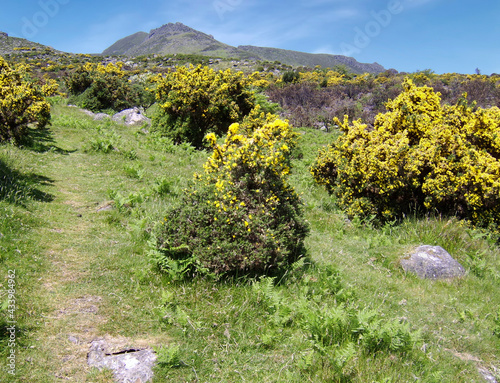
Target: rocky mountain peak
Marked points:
172	29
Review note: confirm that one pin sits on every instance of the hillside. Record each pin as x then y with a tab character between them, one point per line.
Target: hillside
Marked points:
296	58
10	45
122	46
178	38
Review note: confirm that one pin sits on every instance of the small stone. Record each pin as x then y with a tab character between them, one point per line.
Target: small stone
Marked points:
73	340
79	215
101	116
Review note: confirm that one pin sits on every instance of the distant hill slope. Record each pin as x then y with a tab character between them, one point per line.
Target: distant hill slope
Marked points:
122	46
11	45
178	38
295	58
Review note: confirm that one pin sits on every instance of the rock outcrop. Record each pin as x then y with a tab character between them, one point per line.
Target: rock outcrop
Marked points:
128	365
131	116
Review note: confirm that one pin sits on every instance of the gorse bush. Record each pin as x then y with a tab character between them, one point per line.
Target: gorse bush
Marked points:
420	155
241	215
100	87
194	101
22	102
290	77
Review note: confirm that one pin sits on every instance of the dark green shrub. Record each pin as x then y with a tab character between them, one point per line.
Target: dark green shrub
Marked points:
290	77
100	88
241	216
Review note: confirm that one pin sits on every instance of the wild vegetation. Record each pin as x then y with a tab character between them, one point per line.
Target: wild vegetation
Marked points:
22	102
230	259
197	100
98	87
241	216
419	156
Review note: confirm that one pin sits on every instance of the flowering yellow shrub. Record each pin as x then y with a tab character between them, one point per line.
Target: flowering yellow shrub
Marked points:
194	101
419	155
315	76
334	78
22	102
259	80
241	216
50	87
101	87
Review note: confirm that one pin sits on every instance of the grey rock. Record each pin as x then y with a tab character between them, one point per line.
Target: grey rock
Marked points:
487	375
101	116
88	112
73	339
432	262
128	365
106	207
131	116
95	116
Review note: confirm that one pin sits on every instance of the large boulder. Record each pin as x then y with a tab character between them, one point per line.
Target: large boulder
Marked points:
132	116
432	262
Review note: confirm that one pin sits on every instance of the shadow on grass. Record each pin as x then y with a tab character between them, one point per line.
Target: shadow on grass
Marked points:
16	187
42	141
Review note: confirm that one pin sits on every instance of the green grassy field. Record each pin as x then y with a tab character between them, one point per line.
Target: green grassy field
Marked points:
77	212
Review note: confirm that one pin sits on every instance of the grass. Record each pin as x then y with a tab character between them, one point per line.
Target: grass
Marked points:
77	210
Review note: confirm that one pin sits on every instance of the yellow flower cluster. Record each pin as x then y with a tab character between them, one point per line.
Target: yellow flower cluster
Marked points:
110	68
197	100
21	103
261	80
257	150
419	154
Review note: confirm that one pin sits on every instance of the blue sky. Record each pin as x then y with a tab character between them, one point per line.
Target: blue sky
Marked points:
408	35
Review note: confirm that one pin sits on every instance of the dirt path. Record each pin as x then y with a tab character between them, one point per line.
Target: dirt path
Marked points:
93	280
75	315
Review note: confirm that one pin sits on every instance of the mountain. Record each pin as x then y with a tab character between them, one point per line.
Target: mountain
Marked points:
178	38
170	39
12	45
